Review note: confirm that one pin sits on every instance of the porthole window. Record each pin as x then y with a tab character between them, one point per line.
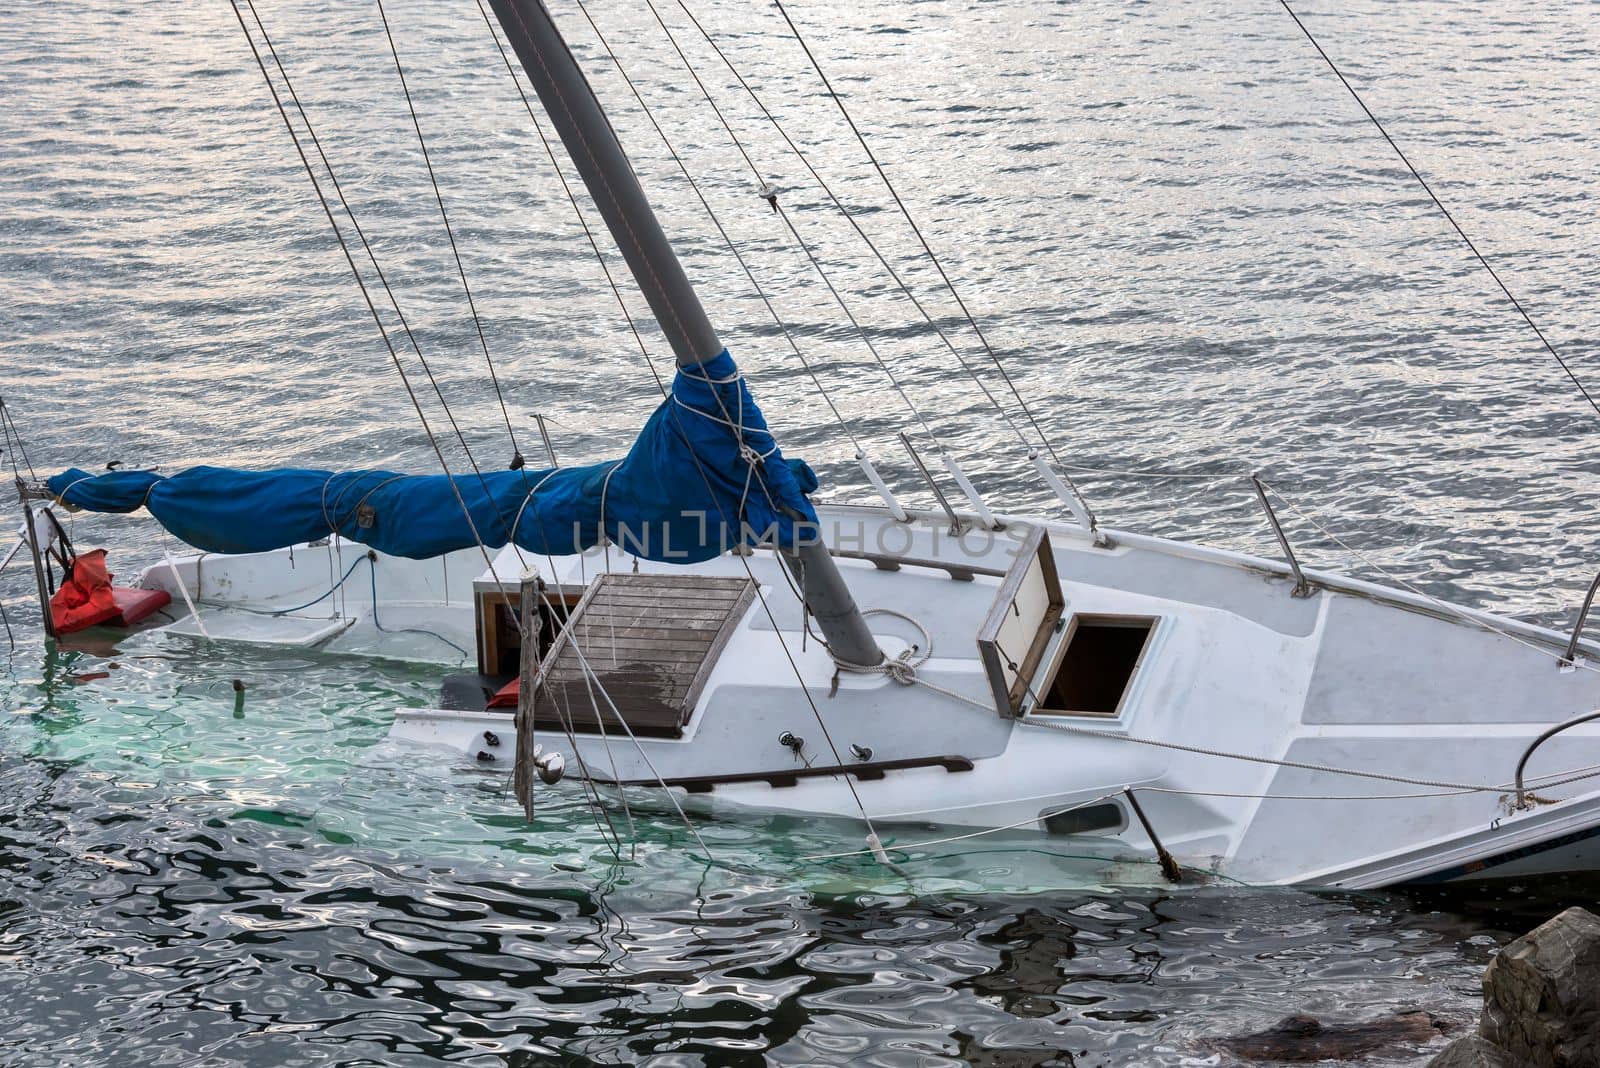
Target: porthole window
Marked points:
1091	819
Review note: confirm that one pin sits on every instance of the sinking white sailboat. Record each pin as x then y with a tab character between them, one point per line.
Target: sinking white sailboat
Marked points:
686	619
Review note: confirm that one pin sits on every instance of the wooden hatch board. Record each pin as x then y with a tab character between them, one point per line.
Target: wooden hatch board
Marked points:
651	640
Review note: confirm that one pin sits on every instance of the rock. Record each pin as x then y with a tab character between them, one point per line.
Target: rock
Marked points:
1542	994
1305	1038
1476	1052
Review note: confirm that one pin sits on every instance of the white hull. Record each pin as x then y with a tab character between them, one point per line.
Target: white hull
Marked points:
1356	677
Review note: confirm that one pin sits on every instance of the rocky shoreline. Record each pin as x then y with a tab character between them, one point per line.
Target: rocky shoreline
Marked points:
1541	1001
1541	1009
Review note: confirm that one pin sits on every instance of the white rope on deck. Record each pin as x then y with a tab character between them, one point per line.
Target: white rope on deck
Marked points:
903	668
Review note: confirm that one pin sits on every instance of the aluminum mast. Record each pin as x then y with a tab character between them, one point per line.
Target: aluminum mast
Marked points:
584	129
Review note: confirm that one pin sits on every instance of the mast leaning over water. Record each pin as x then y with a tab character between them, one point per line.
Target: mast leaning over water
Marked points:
580	121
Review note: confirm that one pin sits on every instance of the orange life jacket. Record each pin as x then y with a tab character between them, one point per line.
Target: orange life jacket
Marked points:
85	597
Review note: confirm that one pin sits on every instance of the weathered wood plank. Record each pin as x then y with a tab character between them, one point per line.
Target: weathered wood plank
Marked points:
599	656
673	600
592	645
650	640
641	638
689	617
679	579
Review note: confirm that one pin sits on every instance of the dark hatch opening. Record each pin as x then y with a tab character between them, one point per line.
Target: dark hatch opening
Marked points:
1096	665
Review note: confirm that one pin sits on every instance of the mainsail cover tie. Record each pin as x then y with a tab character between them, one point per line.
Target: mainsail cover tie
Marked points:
681	495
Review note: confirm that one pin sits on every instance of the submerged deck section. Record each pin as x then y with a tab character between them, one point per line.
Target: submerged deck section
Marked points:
650	640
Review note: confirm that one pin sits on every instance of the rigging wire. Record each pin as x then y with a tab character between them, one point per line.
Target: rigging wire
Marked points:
344	247
677	328
372	257
593	683
737	426
771	196
1451	219
738	429
461	270
917	230
591	794
588	231
900	282
13	437
700	468
716	221
861	232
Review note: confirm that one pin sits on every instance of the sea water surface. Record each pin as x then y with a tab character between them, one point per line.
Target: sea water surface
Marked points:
1188	246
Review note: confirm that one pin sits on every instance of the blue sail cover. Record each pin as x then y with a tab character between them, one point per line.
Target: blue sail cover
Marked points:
703	475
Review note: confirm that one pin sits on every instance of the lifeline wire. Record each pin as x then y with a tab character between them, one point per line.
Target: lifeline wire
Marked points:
1444	606
1515	303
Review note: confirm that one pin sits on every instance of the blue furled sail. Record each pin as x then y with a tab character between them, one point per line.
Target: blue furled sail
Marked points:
703	475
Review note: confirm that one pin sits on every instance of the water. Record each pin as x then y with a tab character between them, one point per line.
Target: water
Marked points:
1185	240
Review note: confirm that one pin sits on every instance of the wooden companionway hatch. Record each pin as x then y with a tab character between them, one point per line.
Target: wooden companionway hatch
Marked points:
651	640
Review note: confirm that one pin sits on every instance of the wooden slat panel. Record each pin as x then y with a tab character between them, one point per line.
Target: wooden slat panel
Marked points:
650	640
679	579
698	608
598	658
596	642
592	643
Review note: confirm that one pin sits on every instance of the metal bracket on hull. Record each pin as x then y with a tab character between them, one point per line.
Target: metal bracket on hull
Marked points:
889	499
971	492
927	476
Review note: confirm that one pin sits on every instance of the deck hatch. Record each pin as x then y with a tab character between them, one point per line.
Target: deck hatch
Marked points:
650	639
1095	666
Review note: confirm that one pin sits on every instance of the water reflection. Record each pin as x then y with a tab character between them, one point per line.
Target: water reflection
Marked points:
1189	249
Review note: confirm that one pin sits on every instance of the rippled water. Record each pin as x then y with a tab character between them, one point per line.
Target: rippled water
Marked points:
1191	249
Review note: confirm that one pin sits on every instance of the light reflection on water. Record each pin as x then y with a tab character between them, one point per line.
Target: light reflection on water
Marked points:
1192	253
